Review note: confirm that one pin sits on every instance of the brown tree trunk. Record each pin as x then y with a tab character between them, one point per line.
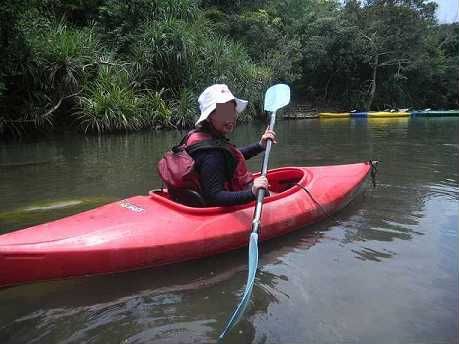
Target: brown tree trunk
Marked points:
372	92
327	85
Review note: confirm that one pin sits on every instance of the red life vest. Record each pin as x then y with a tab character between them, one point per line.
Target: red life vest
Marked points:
241	177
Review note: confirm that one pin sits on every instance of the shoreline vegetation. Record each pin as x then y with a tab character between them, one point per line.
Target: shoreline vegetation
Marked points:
99	66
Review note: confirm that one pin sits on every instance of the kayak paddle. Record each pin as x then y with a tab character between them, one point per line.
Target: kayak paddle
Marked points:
276	97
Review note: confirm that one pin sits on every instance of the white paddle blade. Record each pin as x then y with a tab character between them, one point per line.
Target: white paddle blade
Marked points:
277	97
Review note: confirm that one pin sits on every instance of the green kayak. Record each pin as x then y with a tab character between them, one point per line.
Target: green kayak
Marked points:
434	113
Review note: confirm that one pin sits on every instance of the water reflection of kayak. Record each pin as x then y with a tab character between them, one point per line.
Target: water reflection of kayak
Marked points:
335	114
388	121
145	231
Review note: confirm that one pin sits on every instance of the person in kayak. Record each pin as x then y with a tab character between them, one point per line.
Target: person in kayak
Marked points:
222	183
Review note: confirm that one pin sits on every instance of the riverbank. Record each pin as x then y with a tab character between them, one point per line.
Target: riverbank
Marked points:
115	66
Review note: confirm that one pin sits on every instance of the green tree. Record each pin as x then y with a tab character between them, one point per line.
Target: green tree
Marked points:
397	34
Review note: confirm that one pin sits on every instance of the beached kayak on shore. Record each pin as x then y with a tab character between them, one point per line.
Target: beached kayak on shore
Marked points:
389	114
435	113
373	114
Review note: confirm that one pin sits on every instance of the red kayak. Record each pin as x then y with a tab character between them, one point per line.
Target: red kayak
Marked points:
146	231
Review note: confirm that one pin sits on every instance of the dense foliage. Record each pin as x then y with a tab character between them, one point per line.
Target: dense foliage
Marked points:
102	66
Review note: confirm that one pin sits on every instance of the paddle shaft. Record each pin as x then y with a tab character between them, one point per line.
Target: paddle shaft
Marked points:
264	170
276	97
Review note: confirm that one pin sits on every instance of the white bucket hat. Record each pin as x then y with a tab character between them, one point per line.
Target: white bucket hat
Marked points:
217	94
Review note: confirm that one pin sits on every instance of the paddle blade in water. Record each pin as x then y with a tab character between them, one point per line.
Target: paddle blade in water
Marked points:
253	263
277	97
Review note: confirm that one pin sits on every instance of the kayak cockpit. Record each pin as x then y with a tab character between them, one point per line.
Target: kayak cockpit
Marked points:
283	182
283	179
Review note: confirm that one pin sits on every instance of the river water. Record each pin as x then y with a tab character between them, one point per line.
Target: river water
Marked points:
383	270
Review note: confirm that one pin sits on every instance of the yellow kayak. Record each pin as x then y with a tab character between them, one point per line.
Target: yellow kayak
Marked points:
388	114
335	114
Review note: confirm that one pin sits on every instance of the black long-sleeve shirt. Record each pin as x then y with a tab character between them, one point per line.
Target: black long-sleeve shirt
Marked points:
211	167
